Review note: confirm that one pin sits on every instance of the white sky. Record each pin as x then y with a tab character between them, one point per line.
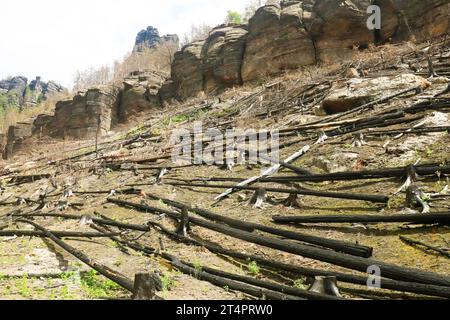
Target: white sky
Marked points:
54	38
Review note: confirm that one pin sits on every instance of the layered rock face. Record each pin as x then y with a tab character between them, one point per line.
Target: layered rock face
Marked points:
96	110
405	19
222	56
277	40
297	33
186	74
140	93
336	27
150	39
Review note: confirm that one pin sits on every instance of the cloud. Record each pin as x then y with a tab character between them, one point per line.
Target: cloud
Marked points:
53	39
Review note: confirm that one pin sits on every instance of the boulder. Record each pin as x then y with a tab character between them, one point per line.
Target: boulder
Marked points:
222	56
337	162
338	28
356	92
277	40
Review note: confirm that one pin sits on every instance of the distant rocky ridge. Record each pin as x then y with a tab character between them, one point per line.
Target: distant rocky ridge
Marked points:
150	39
17	92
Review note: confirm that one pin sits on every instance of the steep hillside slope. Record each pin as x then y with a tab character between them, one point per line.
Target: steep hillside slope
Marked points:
233	248
362	189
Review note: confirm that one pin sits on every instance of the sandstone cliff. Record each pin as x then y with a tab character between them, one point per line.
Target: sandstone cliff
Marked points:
278	38
294	34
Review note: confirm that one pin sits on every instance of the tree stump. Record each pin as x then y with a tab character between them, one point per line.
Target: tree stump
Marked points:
144	287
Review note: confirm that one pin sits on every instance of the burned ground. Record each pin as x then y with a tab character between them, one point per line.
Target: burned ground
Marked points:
71	178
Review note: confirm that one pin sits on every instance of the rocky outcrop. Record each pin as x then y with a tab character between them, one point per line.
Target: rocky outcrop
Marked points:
293	34
406	19
16	137
338	27
222	56
356	92
277	40
16	92
100	109
43	125
140	93
13	91
150	39
186	74
96	110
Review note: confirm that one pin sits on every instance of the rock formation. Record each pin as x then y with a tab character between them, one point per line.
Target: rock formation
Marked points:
186	74
356	92
140	93
16	137
406	19
337	27
222	55
16	92
150	39
277	41
95	110
281	37
297	33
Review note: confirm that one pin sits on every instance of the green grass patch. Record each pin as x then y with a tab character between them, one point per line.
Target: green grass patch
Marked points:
97	286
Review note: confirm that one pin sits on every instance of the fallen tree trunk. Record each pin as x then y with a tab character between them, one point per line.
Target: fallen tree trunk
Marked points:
433	218
323	194
18	180
364	175
120	191
445	253
409	131
340	259
105	222
59	234
269	172
337	245
413	287
386	173
202	275
114	276
429	105
382	124
232	281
